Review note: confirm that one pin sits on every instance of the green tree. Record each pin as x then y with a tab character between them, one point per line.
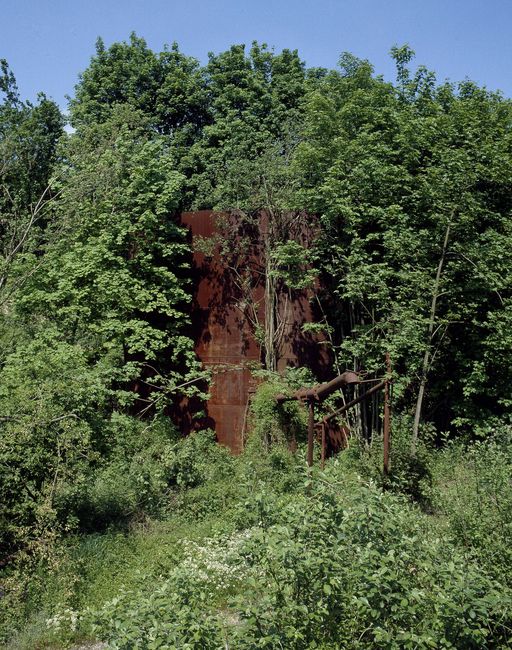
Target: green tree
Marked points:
411	184
116	280
167	87
255	106
28	143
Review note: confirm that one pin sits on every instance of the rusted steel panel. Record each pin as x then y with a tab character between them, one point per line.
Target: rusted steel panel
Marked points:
222	333
224	340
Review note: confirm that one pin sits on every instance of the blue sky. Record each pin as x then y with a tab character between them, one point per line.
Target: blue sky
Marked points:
48	42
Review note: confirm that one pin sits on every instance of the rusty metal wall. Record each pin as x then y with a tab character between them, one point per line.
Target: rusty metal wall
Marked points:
225	344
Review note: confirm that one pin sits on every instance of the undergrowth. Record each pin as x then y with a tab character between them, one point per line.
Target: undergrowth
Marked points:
259	552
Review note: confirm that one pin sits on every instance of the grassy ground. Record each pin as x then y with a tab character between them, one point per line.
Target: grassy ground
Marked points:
257	507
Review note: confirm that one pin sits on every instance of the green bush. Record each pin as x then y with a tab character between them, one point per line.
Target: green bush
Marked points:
49	399
269	555
147	470
364	576
410	473
273	423
146	463
168	617
69	461
473	494
316	572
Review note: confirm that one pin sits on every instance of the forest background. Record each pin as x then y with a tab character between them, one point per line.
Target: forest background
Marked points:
408	185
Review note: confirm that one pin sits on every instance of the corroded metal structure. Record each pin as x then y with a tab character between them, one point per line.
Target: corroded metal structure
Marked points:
224	339
339	432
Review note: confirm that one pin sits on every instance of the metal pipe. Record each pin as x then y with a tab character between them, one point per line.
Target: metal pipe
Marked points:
322	391
323	445
355	401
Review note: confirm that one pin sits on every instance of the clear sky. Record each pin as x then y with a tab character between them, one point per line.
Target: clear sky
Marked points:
48	42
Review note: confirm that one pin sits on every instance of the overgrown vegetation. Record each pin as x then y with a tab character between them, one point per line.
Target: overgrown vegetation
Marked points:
112	526
257	552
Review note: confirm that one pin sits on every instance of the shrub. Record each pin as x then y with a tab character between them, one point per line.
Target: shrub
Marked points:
277	423
474	495
410	474
316	571
48	401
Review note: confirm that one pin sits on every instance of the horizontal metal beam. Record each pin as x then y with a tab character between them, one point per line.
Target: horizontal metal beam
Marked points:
355	401
320	392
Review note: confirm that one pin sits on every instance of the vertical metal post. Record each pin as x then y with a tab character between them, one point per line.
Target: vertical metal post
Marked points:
387	416
323	425
311	430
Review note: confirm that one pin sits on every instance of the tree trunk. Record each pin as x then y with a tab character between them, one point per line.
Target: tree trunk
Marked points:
270	320
428	351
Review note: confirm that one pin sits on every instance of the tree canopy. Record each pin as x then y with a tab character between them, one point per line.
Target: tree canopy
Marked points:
407	187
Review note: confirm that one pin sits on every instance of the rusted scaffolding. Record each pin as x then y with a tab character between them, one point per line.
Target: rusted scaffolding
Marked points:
319	393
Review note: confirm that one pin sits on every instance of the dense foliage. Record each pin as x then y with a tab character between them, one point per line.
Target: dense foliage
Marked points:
397	196
413	186
254	552
28	152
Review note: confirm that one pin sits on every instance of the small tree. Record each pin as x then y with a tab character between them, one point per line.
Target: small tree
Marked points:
115	281
28	142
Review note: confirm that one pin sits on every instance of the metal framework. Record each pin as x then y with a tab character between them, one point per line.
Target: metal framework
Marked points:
320	392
